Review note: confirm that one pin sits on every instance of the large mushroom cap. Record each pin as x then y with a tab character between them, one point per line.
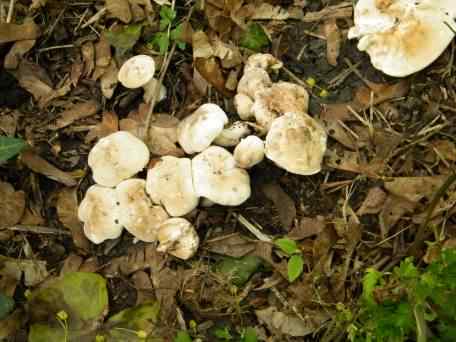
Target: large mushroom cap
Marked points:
137	213
116	157
216	177
170	184
197	131
280	98
178	237
249	152
99	212
297	143
136	71
403	36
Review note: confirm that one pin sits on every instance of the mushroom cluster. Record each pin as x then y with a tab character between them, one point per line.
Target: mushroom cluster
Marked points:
153	209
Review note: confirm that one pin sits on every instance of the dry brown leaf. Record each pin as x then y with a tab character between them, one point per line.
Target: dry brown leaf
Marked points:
88	58
210	69
201	45
34	79
137	12
12	205
109	124
373	202
119	9
33	271
67	212
102	52
230	55
264	250
267	11
39	165
446	149
282	202
76	112
14	32
339	11
393	210
307	227
147	4
8	123
72	263
233	245
17	51
109	80
162	138
333	41
414	189
77	68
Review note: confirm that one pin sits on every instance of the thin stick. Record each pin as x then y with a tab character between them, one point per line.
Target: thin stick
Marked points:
37	229
10	11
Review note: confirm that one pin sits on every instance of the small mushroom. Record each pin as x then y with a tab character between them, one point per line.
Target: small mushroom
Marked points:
232	135
198	130
150	88
137	213
99	212
264	61
243	104
249	152
178	237
252	81
216	177
403	36
280	98
117	157
169	183
297	143
137	71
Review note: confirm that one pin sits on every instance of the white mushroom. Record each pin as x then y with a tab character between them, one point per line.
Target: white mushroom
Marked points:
252	81
403	36
149	91
243	104
178	237
280	98
216	177
264	61
249	152
198	130
137	71
99	212
116	157
296	143
231	135
169	183
137	213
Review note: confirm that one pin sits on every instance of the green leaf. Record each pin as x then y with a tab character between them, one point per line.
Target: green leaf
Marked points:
160	41
370	281
254	38
239	269
167	16
182	336
6	305
176	33
295	267
249	335
288	246
125	38
223	333
9	147
45	333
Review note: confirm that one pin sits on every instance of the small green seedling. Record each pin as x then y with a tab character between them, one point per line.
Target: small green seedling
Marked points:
170	31
9	147
295	261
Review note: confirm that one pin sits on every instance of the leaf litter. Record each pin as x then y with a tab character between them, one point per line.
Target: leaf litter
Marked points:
391	151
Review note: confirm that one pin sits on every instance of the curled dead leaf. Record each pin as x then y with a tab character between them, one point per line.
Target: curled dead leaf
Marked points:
12	205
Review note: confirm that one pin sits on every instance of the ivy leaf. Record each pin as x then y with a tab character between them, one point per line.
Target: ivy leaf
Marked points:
254	38
287	245
167	15
9	147
295	267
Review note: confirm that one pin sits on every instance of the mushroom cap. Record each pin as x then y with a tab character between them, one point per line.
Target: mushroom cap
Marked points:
403	36
249	152
232	135
280	98
297	143
216	177
116	157
99	212
264	61
178	237
137	213
136	71
169	183
197	131
243	104
252	81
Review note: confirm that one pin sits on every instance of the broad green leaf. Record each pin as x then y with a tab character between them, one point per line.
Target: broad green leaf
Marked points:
167	16
182	336
288	246
128	324
254	38
9	147
45	333
239	269
6	305
125	38
295	267
223	334
160	41
370	281
249	335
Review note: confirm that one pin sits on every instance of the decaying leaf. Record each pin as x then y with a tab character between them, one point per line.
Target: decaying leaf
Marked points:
282	202
13	32
109	81
76	112
34	79
17	51
109	124
233	245
33	271
333	41
12	205
119	9
414	189
373	202
210	69
393	210
102	52
307	227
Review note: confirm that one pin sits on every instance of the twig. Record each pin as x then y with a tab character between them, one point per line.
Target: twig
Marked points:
97	16
10	11
37	229
254	230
